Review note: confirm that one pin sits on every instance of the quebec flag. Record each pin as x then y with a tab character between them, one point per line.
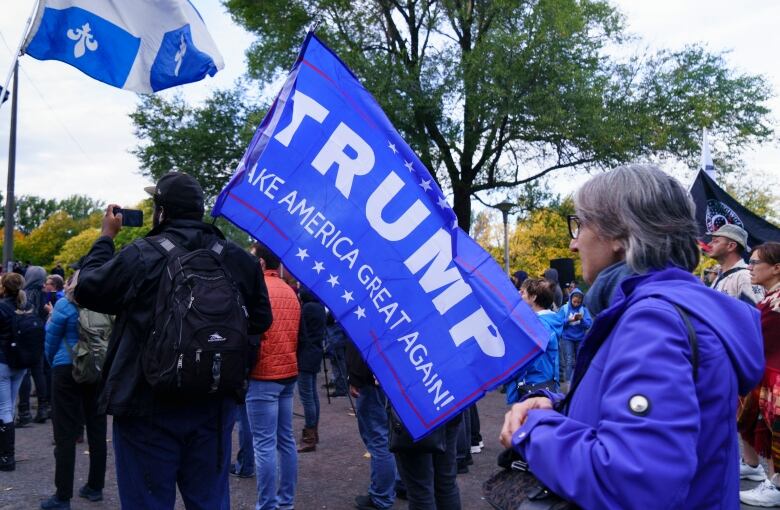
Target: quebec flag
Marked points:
330	186
139	45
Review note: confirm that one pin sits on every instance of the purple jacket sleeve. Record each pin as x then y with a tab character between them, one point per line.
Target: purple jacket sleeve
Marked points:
625	459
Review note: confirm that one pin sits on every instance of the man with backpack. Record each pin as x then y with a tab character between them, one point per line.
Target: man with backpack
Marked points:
185	301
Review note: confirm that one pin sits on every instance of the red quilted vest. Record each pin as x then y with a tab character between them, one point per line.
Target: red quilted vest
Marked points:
277	358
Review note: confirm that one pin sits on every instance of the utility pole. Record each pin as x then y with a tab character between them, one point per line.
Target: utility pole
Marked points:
10	205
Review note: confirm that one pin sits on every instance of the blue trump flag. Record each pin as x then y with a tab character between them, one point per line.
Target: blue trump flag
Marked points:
143	46
328	184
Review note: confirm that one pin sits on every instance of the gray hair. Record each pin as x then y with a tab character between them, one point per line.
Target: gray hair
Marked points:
647	211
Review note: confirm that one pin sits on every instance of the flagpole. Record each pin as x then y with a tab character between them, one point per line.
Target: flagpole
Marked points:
10	203
19	48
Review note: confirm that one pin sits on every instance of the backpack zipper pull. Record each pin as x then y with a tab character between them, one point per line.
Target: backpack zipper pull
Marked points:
179	365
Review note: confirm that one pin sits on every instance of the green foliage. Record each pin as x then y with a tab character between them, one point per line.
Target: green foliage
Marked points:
755	195
206	142
77	246
32	211
483	90
43	243
129	234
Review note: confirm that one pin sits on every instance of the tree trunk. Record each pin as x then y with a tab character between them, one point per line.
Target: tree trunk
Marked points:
462	207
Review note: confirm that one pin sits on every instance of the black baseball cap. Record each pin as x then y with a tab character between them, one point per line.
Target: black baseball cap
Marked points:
179	191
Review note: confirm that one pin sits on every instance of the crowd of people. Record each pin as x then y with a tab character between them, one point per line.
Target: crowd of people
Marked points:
648	374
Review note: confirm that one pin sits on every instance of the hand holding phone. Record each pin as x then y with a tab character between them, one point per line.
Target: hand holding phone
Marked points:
130	217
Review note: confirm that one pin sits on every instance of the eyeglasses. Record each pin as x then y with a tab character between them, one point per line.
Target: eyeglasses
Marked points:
754	262
574	225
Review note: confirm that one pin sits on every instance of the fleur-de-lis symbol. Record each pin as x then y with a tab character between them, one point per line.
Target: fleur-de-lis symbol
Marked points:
85	39
179	57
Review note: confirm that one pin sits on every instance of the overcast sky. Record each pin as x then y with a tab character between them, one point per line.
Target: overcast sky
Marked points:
75	135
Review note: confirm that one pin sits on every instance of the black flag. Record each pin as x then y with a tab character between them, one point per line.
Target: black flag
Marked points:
4	96
715	208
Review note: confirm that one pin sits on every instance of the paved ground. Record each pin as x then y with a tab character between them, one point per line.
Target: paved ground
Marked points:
329	478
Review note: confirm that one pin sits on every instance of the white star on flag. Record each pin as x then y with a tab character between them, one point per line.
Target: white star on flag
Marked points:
409	166
454	223
443	203
333	280
392	147
426	185
360	312
302	253
347	296
318	266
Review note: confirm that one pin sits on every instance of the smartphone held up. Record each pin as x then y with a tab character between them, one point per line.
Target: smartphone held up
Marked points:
130	217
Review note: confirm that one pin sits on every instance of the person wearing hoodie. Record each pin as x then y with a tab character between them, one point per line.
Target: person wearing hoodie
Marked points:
310	338
576	323
649	421
543	372
551	275
34	279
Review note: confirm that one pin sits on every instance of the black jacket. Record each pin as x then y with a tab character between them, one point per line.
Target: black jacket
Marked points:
312	333
359	373
125	285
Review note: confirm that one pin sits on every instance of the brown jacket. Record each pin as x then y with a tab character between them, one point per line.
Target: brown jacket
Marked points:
277	356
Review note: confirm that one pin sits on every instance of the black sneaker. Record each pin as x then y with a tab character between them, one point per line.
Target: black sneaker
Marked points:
23	419
365	503
91	494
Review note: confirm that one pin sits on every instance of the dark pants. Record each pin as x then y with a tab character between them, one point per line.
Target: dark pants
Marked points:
175	447
310	400
431	479
476	433
339	366
72	402
41	374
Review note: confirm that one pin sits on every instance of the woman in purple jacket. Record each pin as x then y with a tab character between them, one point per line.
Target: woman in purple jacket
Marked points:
650	419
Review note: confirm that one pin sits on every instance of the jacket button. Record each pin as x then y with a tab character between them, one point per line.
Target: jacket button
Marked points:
639	405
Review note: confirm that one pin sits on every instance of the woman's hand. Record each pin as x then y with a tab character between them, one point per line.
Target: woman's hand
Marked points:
516	416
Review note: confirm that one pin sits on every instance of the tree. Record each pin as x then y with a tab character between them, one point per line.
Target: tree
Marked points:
206	142
541	237
43	243
77	246
31	211
80	206
494	94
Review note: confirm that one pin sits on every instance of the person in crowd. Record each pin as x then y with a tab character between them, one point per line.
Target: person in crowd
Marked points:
54	287
764	401
463	453
518	277
336	348
576	323
649	420
40	373
269	400
310	352
244	467
551	275
538	293
728	246
710	275
12	298
58	270
75	405
371	412
163	441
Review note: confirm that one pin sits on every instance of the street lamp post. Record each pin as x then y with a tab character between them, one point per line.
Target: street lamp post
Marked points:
505	208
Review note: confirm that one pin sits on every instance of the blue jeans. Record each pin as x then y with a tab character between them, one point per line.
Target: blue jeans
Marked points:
569	351
245	459
307	389
372	424
10	380
175	446
269	406
431	478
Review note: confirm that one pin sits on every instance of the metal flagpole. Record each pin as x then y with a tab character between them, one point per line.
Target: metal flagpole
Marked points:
10	205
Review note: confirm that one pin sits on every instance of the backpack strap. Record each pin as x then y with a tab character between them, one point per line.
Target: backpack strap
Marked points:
723	276
692	340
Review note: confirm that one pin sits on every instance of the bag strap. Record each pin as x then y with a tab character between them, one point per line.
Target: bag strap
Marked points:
693	341
723	276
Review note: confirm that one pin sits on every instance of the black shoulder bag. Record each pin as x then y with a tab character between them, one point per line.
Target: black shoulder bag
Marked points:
516	488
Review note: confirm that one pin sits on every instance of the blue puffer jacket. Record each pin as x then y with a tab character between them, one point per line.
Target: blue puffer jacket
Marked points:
678	451
63	324
546	367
